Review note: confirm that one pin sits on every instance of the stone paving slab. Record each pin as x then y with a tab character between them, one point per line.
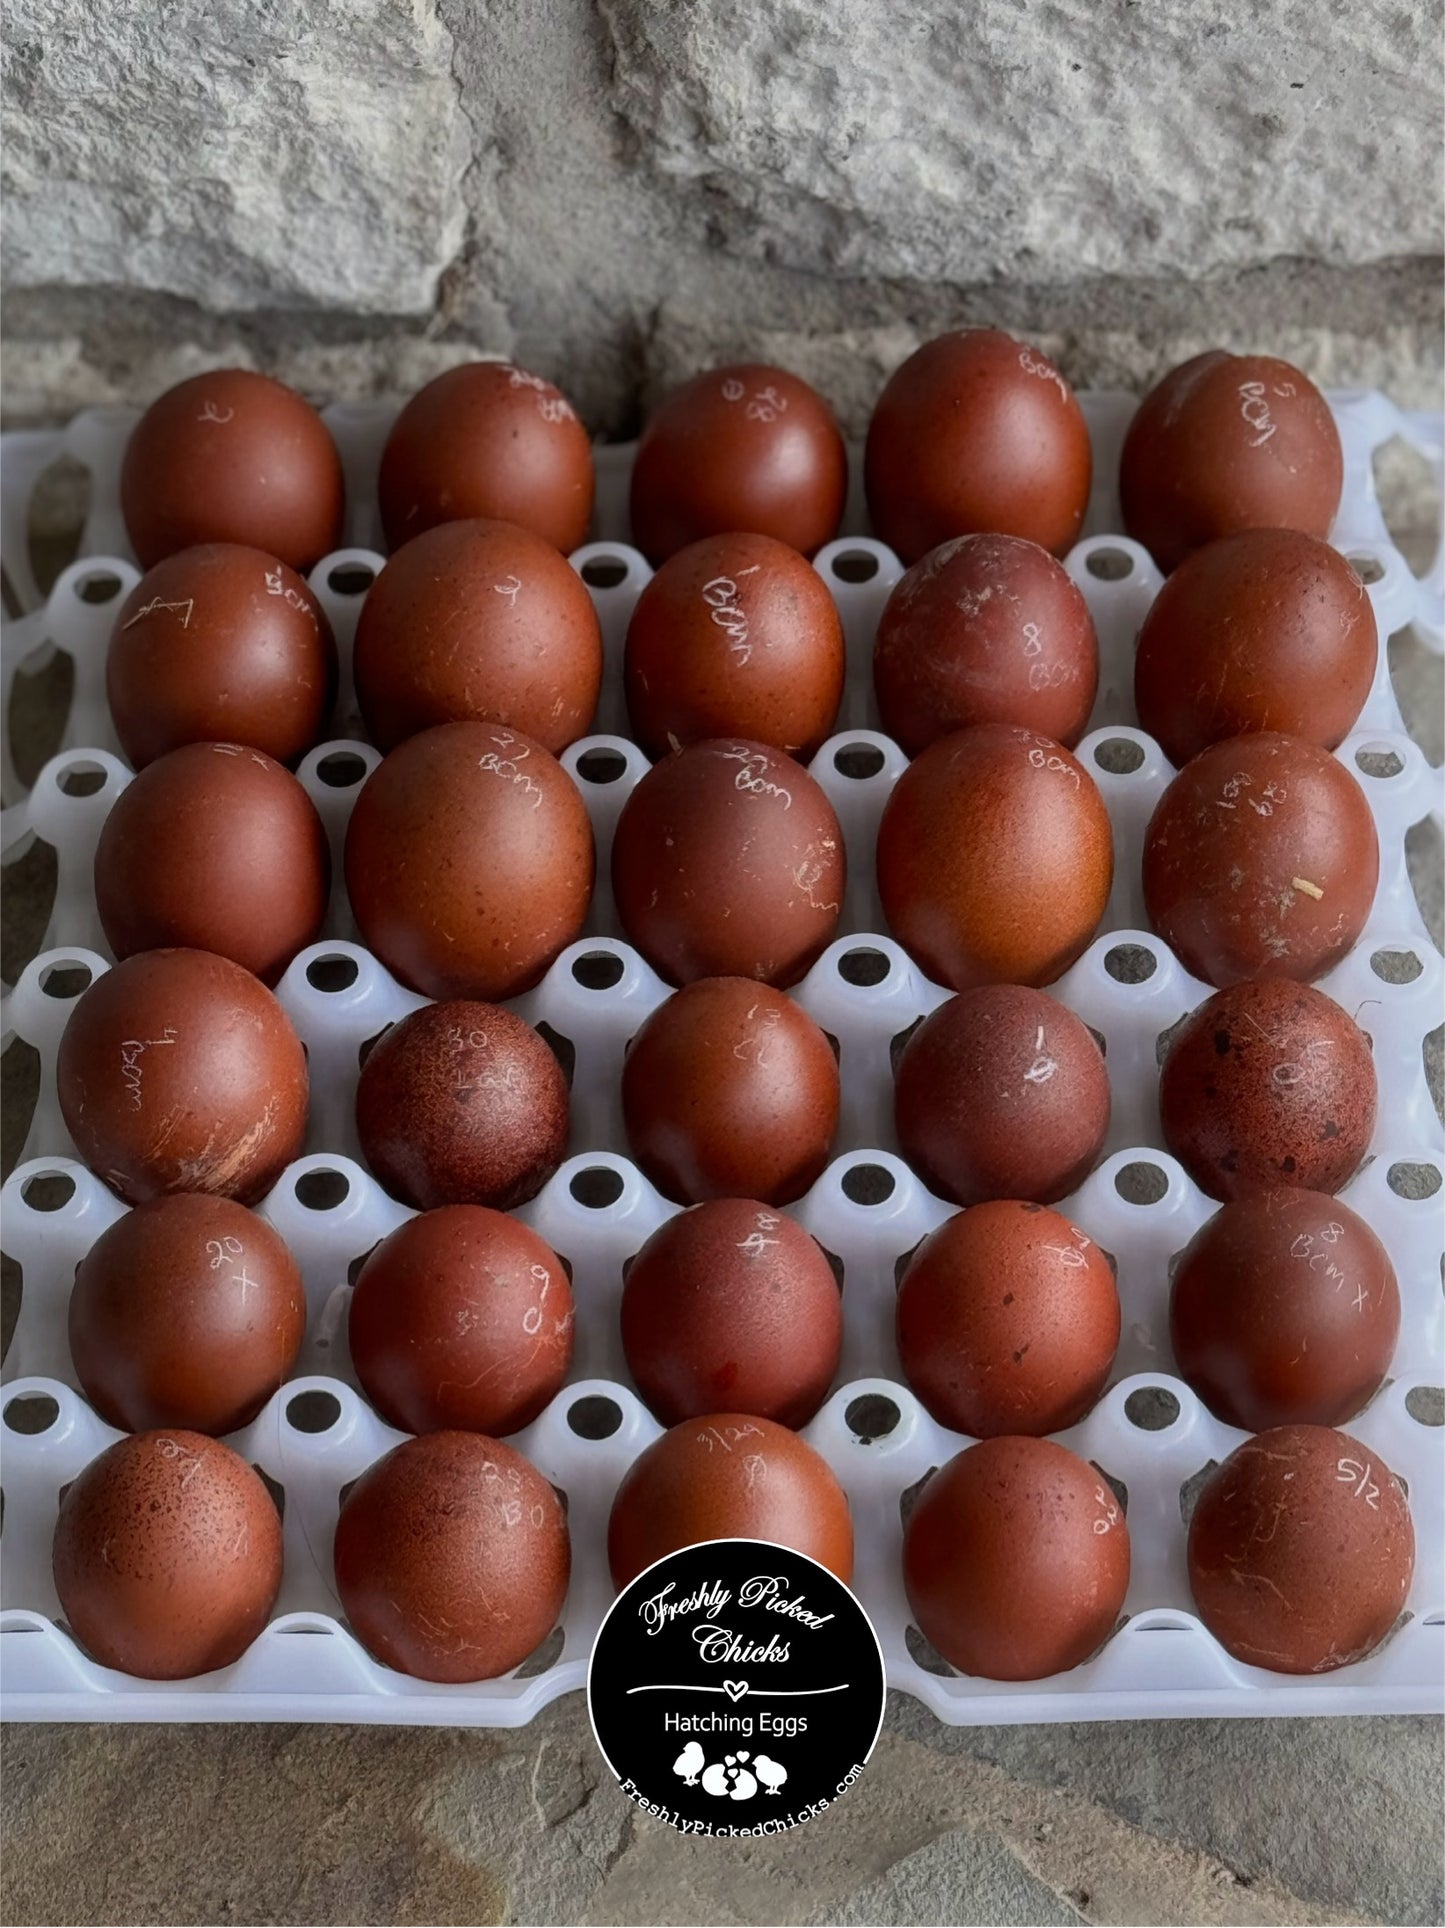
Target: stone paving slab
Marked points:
1199	1822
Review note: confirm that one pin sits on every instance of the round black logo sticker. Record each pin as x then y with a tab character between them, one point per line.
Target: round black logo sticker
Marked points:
736	1688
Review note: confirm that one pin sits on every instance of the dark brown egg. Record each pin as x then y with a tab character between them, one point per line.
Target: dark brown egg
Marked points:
1269	1083
221	644
1284	1311
478	620
488	439
1261	860
1002	1093
995	858
167	1556
1228	442
462	1318
1016	1560
452	1558
977	434
728	861
189	1311
1301	1551
730	1091
732	1304
1266	630
214	847
1008	1321
985	629
462	1103
232	456
736	635
179	1072
728	1477
747	448
469	861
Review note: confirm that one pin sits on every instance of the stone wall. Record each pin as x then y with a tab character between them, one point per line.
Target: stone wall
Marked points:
357	192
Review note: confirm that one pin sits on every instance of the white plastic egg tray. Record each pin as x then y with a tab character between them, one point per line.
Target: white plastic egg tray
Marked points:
1149	1433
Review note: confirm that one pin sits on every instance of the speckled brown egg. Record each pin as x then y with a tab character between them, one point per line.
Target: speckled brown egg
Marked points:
730	1090
491	440
1008	1321
735	635
742	448
189	1311
728	861
1270	629
1261	860
1301	1551
479	620
461	1318
1228	442
214	847
452	1558
469	861
167	1556
985	629
1016	1560
1269	1083
728	1476
732	1304
977	433
221	644
232	456
995	858
462	1103
1284	1311
1001	1093
179	1072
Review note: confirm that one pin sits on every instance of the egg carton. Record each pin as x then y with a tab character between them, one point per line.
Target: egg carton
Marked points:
1149	1434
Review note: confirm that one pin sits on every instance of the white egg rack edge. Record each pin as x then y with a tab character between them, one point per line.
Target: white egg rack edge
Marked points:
868	1208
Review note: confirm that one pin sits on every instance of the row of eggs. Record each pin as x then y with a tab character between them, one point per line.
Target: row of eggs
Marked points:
452	1555
470	865
975	432
736	635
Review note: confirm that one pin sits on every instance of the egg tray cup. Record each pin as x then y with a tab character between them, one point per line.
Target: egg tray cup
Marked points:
1149	1434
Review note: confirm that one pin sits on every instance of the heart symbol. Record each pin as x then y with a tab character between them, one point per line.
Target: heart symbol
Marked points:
735	1689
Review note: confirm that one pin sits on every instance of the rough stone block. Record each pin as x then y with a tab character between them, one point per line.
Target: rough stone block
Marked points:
939	142
281	156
